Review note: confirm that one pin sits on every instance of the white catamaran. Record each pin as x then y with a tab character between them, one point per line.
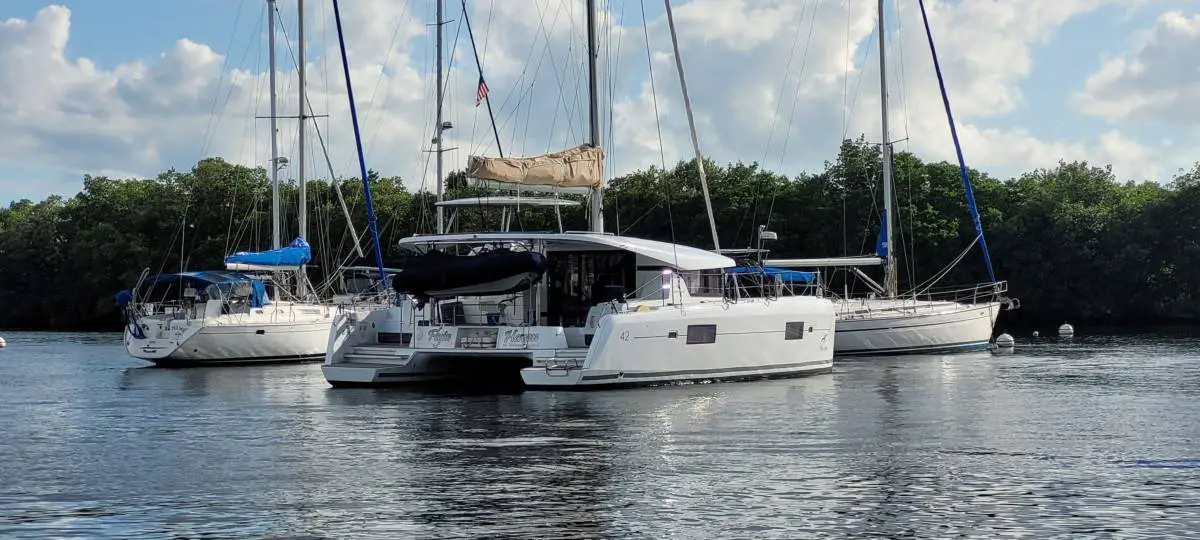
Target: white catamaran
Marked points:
923	321
577	309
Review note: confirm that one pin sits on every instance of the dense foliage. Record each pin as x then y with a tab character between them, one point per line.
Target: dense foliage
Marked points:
1073	242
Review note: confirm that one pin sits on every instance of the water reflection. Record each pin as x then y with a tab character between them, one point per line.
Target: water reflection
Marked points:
1094	437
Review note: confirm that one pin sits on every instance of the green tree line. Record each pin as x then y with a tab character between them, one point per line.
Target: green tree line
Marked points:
1073	242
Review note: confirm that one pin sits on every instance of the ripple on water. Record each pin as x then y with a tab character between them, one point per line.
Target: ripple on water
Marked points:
1090	438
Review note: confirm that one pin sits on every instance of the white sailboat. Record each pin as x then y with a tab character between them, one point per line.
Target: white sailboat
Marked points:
923	321
226	316
578	309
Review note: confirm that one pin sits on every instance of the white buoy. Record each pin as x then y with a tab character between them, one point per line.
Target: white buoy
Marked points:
1005	341
1066	330
3	344
1035	333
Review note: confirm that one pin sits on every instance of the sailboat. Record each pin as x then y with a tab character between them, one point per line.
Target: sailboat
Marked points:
586	309
214	317
888	322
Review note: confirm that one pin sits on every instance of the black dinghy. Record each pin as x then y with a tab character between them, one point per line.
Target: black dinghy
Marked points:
498	271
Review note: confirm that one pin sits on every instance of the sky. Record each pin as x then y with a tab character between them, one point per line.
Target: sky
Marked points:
131	88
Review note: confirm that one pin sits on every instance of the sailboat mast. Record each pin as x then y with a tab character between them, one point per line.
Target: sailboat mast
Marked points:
687	105
889	277
276	232
276	235
302	275
595	201
437	140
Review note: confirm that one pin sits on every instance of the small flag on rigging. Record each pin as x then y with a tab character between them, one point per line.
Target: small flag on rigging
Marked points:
481	92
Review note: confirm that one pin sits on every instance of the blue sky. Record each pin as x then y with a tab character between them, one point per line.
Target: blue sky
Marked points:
1012	119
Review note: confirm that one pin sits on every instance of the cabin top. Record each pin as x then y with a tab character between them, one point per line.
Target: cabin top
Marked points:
680	257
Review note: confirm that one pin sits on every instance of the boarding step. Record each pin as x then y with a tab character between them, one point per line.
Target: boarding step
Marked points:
578	353
390	361
382	350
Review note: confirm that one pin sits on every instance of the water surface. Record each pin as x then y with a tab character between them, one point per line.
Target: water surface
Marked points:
1090	438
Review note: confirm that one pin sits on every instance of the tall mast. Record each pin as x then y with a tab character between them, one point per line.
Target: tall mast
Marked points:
687	105
889	272
276	233
302	276
362	162
595	201
437	140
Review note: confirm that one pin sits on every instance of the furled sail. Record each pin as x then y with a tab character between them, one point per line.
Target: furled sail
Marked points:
582	166
294	255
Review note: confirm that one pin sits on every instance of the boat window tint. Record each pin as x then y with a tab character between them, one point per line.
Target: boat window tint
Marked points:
793	330
701	333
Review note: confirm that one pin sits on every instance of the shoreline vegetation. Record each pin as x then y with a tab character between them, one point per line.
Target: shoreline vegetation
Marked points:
1074	243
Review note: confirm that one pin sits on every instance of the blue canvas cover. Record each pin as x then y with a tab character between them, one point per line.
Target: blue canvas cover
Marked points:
157	285
296	254
788	276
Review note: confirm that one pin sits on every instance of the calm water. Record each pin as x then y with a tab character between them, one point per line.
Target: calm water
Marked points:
1096	437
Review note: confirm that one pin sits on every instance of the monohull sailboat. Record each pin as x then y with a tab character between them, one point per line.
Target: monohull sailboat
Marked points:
887	321
242	313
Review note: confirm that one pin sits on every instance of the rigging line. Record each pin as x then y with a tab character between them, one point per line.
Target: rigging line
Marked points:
487	29
858	89
962	165
846	77
799	81
321	138
662	153
573	78
867	52
911	256
553	64
929	283
612	94
787	72
792	114
221	79
251	106
487	97
903	87
228	94
371	106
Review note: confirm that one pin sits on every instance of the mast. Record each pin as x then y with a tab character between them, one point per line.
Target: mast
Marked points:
302	275
889	270
596	200
276	233
437	140
372	224
687	105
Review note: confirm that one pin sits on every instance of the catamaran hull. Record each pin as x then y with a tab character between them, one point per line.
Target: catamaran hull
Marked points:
756	339
231	345
930	328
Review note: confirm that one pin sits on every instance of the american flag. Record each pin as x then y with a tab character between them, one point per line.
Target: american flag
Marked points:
481	92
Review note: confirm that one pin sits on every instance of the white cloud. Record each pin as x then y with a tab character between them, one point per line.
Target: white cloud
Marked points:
148	115
1157	81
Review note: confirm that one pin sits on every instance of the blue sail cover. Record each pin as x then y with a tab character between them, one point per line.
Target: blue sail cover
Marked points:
881	247
295	255
788	276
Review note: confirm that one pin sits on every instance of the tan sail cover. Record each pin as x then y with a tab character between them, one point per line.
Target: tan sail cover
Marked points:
582	166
